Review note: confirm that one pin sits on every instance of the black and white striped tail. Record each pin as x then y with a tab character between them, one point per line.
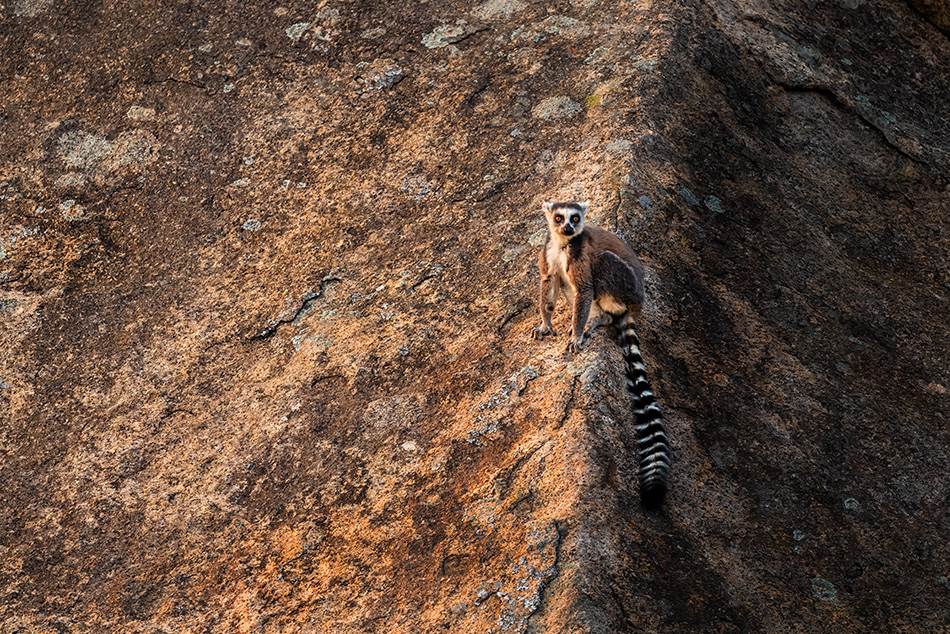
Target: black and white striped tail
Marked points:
651	438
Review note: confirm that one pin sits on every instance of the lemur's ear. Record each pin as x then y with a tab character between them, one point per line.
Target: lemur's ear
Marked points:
547	207
585	206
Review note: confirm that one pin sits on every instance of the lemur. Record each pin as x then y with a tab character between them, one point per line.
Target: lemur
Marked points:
593	267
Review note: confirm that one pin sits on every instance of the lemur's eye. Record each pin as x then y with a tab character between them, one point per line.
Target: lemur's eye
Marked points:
575	219
558	218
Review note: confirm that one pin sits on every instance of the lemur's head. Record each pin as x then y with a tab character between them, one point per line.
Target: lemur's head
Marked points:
566	219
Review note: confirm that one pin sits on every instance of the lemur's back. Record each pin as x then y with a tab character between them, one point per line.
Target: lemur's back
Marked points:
620	276
601	239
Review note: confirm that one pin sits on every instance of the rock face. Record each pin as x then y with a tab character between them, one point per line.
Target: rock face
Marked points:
935	12
267	277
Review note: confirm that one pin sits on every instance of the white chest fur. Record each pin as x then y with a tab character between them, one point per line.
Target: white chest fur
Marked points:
557	263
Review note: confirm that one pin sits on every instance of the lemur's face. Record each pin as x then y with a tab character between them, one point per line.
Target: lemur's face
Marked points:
565	219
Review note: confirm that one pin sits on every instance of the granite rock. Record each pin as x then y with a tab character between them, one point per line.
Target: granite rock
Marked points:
268	275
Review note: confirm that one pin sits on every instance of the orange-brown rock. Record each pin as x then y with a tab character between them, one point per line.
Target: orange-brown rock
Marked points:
267	278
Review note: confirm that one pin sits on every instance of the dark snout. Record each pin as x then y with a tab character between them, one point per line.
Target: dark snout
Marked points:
568	230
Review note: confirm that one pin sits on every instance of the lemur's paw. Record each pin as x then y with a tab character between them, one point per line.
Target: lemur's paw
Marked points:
575	345
541	332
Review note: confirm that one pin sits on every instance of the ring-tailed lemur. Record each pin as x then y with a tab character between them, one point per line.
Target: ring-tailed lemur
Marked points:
593	267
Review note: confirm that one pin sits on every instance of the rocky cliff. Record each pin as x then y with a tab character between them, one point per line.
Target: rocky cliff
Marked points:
268	273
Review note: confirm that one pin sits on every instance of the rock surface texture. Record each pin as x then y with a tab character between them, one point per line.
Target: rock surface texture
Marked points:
268	274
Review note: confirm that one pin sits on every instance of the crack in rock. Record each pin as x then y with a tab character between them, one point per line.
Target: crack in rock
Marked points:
271	329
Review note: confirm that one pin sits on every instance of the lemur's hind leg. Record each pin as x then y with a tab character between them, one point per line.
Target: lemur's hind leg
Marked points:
606	309
598	320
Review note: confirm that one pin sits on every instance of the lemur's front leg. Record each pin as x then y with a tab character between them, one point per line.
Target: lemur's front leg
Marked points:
550	289
582	301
